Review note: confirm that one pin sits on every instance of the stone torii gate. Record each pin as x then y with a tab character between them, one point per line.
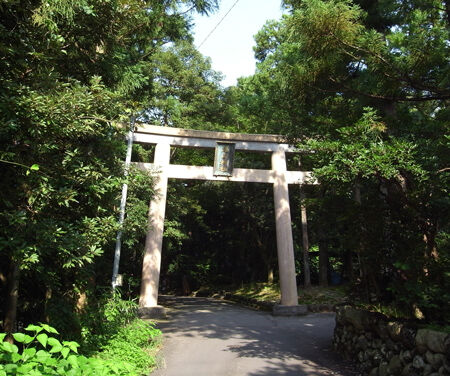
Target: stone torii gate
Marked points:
224	143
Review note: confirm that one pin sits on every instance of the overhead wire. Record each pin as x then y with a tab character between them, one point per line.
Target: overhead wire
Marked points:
217	25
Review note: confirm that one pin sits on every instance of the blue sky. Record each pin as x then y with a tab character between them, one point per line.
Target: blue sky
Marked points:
230	45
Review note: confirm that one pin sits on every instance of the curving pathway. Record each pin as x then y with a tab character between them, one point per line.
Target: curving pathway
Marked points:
207	337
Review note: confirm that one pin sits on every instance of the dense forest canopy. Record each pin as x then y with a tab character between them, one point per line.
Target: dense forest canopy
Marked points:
363	85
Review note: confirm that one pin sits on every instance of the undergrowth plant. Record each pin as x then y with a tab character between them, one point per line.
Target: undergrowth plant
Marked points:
135	344
112	331
104	318
114	342
40	353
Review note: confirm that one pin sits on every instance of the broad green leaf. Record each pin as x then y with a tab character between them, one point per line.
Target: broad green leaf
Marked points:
72	345
15	357
10	347
10	369
49	329
25	369
35	372
54	342
19	337
2	336
34	328
51	362
73	361
56	349
28	353
42	339
34	167
28	339
65	351
42	356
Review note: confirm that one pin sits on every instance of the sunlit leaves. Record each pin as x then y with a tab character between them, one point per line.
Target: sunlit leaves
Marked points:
361	151
53	358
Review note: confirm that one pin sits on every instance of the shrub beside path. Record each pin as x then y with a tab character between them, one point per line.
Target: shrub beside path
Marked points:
207	337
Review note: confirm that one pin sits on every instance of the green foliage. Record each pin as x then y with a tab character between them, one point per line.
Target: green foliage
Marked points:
41	353
187	93
134	344
61	216
364	86
111	332
104	318
360	151
140	193
426	290
72	72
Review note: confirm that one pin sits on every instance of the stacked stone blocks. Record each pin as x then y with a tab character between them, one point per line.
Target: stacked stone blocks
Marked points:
382	347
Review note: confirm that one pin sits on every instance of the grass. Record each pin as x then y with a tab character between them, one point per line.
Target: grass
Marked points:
439	328
262	292
387	310
137	344
323	295
265	292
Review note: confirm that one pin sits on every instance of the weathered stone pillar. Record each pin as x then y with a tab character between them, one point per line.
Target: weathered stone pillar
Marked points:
151	265
285	244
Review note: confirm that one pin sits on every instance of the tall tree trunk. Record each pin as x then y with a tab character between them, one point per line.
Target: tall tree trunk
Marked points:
9	322
323	259
48	296
3	278
348	265
360	251
306	265
265	253
430	229
324	262
357	198
270	274
185	285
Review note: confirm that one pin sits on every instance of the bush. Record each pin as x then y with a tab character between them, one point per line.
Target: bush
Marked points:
104	318
111	331
43	354
114	342
134	344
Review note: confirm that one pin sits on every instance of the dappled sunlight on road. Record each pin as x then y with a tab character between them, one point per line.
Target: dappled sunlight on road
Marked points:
257	343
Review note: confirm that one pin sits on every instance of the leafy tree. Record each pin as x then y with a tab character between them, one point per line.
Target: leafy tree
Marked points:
187	92
70	72
371	79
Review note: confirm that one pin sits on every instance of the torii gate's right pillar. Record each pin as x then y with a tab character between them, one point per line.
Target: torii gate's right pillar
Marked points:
285	244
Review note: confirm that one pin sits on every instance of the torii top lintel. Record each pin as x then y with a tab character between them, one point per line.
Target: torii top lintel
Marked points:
146	133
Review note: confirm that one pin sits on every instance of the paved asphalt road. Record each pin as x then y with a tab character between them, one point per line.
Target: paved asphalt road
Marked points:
207	337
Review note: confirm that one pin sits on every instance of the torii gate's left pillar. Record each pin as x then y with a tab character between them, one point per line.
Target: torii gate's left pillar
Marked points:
148	301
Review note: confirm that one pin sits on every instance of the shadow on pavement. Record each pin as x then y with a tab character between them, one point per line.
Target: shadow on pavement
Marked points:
302	344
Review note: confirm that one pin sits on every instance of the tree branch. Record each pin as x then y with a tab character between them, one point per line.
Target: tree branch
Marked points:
391	98
400	76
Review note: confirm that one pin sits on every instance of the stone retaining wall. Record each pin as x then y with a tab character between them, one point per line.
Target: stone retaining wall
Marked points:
382	347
